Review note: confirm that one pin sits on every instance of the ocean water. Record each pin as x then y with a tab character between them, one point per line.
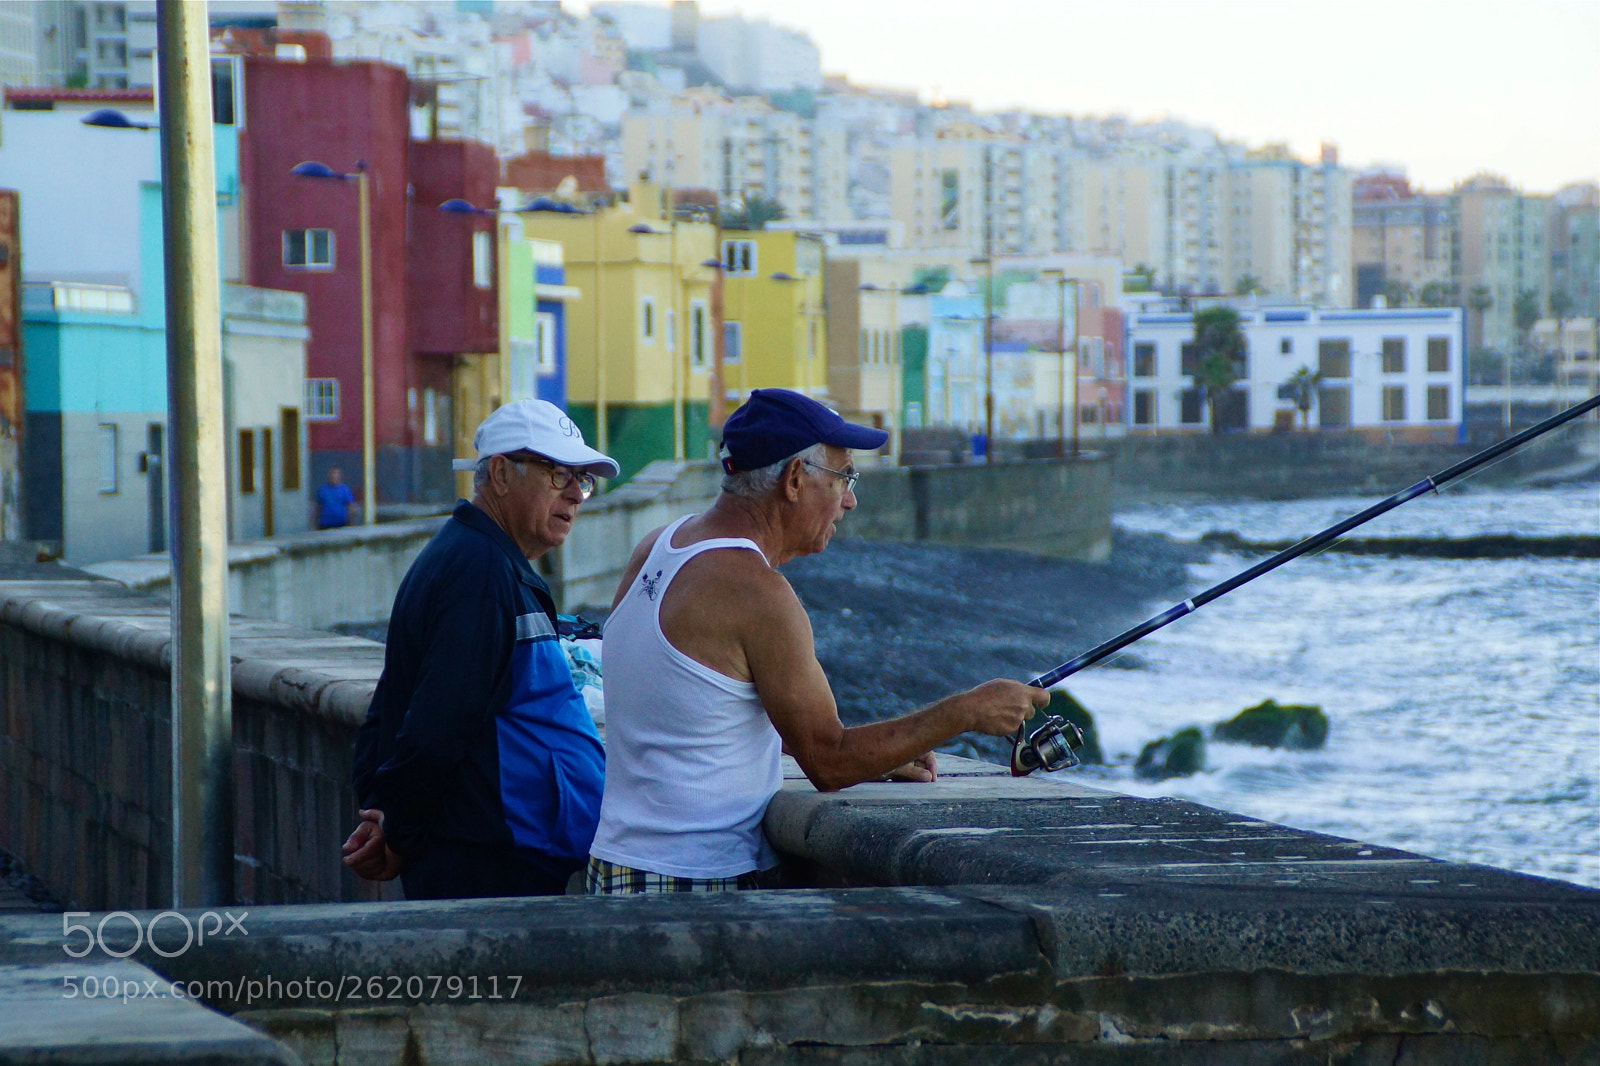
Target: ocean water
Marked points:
1463	695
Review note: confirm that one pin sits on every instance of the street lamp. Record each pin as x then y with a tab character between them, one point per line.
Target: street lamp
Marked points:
1062	281
805	320
987	261
111	119
369	490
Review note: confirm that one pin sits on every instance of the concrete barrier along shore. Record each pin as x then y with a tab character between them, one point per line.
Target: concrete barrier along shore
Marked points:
979	919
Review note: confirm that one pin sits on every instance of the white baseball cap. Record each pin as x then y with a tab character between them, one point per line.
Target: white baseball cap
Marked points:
540	427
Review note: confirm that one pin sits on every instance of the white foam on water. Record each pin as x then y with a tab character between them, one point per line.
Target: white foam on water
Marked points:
1463	695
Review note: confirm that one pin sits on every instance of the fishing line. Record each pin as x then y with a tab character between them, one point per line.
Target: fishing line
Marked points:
1051	746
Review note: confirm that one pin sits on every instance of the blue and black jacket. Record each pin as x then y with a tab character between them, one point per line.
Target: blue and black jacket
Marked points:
475	732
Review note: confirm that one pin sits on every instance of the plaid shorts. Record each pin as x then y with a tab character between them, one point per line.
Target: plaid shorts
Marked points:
611	879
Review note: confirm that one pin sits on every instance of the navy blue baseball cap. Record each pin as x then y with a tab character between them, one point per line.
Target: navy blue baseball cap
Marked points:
774	424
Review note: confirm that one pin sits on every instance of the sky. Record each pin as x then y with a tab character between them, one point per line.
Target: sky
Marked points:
1443	88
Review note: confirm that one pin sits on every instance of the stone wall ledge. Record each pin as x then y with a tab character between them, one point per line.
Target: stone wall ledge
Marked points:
320	673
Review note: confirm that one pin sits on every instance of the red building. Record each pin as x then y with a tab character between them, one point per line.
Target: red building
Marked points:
433	283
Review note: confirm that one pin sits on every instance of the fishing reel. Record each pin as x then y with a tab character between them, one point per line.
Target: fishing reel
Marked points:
1050	747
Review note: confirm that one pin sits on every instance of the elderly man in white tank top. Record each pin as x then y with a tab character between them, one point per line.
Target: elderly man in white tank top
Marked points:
711	670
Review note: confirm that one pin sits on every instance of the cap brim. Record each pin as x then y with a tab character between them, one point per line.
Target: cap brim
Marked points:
583	457
857	438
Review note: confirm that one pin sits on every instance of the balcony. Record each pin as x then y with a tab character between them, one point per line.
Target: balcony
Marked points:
79	297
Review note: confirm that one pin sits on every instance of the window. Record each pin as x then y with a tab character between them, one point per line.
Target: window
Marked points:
289	432
108	458
227	107
247	462
1333	358
697	334
1438	355
1394	355
430	417
1144	360
739	258
1333	406
950	200
309	249
1097	356
672	331
1189	359
913	414
544	342
482	260
732	342
322	399
1144	407
1285	346
1190	409
1394	403
1438	403
647	319
1088	415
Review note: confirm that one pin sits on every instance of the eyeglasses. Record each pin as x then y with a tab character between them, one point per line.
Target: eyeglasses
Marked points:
850	476
560	476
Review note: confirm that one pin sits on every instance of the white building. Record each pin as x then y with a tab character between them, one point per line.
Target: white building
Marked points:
1392	369
753	55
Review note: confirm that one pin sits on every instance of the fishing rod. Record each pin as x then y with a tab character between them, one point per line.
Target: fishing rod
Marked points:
1051	746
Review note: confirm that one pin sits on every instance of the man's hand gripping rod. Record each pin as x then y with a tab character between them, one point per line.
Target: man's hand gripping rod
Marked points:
1051	746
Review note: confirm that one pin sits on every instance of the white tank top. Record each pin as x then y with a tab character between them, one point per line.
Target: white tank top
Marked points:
691	757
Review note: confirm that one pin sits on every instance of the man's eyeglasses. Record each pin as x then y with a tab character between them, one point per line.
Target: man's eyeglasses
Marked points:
560	476
850	476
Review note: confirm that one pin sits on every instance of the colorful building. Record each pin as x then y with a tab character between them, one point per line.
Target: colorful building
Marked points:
646	301
775	332
434	295
94	343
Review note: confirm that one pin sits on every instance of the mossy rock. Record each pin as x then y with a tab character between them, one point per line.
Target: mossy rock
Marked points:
1180	755
1295	726
1063	705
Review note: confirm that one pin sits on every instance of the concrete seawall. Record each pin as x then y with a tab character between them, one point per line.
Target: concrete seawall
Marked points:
322	578
976	920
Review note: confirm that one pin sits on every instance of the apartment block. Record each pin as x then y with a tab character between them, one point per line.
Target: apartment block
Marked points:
1402	242
1502	250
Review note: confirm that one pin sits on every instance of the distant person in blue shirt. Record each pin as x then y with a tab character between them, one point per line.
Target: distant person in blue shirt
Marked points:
334	500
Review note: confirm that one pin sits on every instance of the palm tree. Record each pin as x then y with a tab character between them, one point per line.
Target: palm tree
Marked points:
1302	389
1479	300
1249	284
1221	350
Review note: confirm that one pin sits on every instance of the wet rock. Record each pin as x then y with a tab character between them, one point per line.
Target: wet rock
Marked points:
1063	705
1295	726
1180	755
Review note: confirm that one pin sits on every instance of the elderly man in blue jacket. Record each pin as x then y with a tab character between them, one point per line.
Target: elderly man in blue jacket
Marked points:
478	768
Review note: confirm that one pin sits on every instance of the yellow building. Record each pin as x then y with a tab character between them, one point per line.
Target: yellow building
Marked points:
646	302
775	332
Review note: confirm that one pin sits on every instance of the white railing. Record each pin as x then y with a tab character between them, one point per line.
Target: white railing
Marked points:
77	296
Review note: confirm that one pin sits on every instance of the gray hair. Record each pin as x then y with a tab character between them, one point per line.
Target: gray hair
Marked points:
754	484
480	473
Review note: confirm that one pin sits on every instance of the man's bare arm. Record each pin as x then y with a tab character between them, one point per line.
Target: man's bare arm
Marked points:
782	655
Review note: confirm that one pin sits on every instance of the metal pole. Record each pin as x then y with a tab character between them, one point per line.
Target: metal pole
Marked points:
202	707
1311	543
1061	368
601	431
988	359
895	384
1076	308
369	466
678	354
